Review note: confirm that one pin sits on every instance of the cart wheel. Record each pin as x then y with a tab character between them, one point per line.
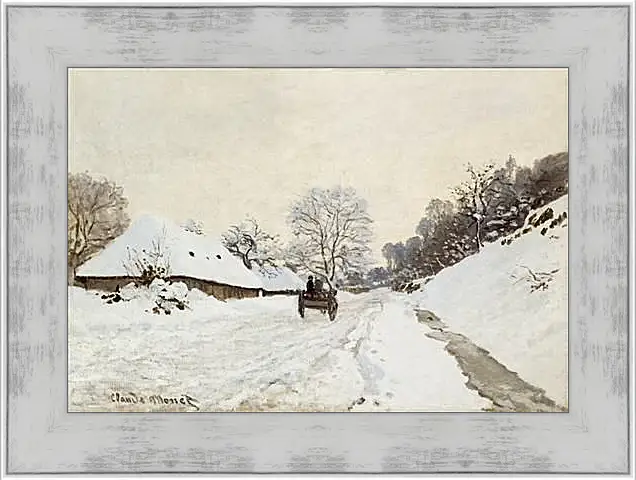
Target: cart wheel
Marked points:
301	306
333	309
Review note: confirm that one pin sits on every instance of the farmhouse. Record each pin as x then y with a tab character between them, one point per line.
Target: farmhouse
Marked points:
280	281
197	260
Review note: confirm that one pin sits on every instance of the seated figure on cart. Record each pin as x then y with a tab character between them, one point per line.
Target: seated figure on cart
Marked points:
319	291
310	284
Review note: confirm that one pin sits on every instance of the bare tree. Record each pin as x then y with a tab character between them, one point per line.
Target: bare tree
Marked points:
249	242
332	232
150	263
96	216
474	197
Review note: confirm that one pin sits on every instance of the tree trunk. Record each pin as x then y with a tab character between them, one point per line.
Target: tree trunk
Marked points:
71	271
479	245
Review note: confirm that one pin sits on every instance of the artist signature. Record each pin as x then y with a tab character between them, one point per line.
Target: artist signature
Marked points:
131	398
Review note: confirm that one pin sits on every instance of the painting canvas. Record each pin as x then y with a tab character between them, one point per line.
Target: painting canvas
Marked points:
318	240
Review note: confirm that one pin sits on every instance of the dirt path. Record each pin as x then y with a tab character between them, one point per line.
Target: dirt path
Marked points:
492	380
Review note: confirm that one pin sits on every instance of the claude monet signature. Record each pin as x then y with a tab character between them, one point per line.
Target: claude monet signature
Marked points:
132	398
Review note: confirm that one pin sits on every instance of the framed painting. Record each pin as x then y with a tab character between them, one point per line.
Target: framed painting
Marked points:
317	239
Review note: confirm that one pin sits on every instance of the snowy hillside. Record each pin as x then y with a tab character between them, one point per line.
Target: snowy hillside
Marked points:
187	253
511	299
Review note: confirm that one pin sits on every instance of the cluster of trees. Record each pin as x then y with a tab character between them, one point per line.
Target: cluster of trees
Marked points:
331	228
490	203
331	231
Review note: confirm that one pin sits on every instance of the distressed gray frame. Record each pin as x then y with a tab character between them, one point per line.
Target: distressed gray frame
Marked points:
43	42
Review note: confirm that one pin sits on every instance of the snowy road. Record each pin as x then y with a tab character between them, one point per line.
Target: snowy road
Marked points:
259	355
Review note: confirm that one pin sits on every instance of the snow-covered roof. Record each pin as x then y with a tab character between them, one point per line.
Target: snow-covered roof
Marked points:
279	279
190	255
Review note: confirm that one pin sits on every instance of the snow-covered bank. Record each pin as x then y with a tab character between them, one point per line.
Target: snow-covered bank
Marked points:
257	354
511	299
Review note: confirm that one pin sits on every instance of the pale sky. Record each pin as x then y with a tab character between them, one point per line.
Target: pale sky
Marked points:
219	144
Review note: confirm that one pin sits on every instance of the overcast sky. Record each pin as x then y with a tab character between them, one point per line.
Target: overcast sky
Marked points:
217	145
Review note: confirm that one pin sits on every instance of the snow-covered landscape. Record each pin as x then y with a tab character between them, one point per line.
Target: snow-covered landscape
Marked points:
257	354
345	240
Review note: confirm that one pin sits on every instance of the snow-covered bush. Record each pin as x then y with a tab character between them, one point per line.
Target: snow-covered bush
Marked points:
149	264
537	280
167	296
129	292
125	294
413	285
163	296
403	279
544	219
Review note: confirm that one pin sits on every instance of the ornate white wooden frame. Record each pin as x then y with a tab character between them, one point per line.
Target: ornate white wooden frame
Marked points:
43	42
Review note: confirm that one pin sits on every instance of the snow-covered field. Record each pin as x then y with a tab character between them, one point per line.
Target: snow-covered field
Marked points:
258	354
488	298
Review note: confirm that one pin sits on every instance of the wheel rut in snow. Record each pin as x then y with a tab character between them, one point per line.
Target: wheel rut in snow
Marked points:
492	380
368	370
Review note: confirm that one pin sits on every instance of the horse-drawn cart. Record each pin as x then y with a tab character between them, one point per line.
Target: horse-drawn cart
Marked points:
324	301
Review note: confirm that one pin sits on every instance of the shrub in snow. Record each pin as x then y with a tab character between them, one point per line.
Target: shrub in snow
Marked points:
149	264
414	285
163	295
411	287
537	280
177	290
112	297
537	218
404	281
168	296
129	292
543	220
157	285
125	294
